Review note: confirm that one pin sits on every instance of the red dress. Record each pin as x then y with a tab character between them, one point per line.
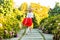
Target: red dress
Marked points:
27	22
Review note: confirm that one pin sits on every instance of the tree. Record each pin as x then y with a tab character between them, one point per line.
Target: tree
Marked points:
55	11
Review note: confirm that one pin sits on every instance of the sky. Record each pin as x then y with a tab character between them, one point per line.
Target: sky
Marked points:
50	3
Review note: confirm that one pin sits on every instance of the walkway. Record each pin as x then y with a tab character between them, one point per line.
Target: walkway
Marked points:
35	35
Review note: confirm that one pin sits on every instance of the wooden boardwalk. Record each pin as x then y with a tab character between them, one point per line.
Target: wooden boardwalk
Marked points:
33	35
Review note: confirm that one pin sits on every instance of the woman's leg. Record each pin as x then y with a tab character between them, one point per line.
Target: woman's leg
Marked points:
30	29
27	30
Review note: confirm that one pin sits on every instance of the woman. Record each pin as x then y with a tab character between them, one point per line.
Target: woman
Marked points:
28	21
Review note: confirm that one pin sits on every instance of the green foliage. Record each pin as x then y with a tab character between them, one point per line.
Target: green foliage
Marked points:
57	35
6	6
51	23
35	23
9	28
9	24
55	11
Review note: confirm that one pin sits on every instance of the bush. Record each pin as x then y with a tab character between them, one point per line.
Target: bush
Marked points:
51	23
8	27
10	19
56	35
